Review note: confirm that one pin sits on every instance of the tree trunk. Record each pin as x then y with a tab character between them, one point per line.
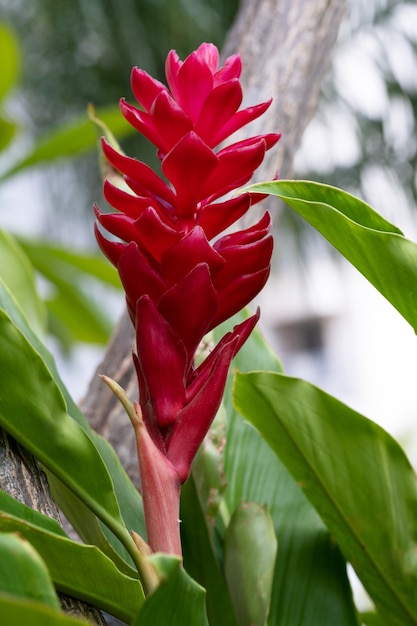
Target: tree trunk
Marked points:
286	47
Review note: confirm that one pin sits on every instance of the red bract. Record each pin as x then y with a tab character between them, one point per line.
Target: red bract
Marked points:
179	283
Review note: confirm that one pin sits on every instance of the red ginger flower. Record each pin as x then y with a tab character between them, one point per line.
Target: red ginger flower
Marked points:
179	284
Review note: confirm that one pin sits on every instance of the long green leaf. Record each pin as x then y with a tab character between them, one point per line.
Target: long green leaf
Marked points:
128	498
33	411
374	246
310	586
81	571
357	477
52	260
75	314
178	600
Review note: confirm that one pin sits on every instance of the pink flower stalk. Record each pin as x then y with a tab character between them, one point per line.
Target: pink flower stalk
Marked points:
180	277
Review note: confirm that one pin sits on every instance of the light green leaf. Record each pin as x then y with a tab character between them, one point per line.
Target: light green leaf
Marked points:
19	510
23	573
356	476
70	139
52	260
249	559
33	411
310	586
177	600
81	571
16	612
17	273
374	246
128	498
8	130
75	314
10	59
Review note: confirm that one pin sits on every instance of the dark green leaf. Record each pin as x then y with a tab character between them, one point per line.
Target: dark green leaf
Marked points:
199	556
374	246
357	477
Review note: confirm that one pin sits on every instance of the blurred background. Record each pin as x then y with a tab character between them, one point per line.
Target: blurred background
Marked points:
326	322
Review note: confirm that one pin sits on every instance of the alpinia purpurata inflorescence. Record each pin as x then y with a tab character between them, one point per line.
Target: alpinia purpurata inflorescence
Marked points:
180	284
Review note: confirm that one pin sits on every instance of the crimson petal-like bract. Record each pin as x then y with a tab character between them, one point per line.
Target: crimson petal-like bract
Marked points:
182	276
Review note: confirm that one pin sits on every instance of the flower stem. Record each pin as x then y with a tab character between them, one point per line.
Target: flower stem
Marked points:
161	489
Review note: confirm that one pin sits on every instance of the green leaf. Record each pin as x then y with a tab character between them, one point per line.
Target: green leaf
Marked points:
23	573
33	411
19	510
17	273
249	559
199	555
177	600
17	612
8	130
10	59
51	260
70	139
356	476
75	313
128	498
310	586
81	571
374	246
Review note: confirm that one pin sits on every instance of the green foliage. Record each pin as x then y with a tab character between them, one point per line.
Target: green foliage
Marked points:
28	577
356	476
70	139
177	600
374	246
10	70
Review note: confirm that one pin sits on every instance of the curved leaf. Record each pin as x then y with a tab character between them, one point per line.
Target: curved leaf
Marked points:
23	573
128	498
33	411
374	246
357	477
177	600
81	571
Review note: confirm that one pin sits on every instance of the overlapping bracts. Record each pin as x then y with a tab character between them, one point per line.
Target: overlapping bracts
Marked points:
181	277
